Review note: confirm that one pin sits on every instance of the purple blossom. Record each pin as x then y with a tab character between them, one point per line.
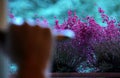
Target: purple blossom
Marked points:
90	33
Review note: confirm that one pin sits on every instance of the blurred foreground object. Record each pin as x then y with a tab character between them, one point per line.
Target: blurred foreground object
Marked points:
30	48
3	15
3	28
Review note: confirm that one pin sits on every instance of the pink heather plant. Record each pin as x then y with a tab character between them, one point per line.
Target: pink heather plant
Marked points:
88	34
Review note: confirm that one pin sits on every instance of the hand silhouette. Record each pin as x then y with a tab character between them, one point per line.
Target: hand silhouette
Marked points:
30	48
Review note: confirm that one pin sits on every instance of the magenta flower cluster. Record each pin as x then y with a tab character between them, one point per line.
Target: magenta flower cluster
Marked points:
89	32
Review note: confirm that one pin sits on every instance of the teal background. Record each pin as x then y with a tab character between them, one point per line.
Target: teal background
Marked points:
50	8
